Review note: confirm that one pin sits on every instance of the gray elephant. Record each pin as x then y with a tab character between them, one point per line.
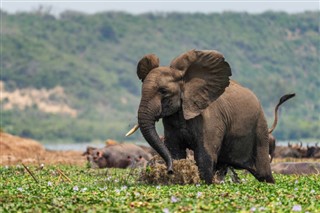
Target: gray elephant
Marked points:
203	110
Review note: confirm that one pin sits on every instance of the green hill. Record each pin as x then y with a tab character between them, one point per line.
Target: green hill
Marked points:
92	59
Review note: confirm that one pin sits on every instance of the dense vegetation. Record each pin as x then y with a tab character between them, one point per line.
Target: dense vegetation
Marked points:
94	57
87	190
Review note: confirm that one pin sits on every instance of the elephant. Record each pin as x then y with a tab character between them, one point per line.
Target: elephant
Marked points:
118	156
202	109
222	171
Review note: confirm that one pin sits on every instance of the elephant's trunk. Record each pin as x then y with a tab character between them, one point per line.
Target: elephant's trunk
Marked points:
147	119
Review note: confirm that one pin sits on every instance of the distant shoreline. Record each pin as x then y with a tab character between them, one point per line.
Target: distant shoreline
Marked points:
83	146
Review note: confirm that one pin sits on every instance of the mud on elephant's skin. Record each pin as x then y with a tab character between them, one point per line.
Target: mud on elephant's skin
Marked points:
203	110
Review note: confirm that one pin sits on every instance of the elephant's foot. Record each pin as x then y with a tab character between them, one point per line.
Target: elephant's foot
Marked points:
207	179
205	167
268	179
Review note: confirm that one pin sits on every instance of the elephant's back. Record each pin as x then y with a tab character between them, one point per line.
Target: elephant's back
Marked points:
242	107
241	98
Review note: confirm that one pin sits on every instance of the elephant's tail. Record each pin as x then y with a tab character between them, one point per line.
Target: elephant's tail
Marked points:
281	101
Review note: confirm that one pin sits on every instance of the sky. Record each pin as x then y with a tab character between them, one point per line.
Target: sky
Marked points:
143	6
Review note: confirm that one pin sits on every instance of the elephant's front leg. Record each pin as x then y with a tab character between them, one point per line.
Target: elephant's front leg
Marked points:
206	153
205	164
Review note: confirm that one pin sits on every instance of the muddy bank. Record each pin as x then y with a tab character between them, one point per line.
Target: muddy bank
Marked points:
14	150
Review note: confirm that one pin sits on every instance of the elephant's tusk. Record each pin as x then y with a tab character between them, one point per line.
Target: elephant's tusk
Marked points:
135	128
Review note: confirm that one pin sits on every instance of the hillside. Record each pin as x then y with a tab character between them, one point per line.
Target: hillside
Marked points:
83	67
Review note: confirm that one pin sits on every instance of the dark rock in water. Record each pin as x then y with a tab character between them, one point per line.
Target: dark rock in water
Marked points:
300	168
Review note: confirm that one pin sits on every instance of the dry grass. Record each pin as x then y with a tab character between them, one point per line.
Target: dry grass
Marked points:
185	172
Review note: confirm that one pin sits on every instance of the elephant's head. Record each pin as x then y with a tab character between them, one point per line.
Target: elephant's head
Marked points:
192	81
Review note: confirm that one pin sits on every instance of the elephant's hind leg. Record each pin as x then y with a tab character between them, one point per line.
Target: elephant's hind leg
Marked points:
263	171
262	162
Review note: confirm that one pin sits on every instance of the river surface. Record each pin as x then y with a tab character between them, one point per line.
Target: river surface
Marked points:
83	146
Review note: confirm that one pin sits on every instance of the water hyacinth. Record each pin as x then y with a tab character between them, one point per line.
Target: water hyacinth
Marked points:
103	189
199	194
253	209
137	194
174	199
166	210
89	191
297	208
262	209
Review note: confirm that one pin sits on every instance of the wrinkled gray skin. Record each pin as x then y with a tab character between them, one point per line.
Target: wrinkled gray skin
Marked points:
222	171
201	109
119	156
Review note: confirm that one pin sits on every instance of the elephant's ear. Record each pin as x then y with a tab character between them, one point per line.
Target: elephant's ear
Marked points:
146	64
206	75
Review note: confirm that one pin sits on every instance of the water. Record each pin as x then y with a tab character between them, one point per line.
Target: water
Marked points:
83	146
80	146
304	143
72	146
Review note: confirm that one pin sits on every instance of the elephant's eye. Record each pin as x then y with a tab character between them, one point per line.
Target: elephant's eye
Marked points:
163	91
